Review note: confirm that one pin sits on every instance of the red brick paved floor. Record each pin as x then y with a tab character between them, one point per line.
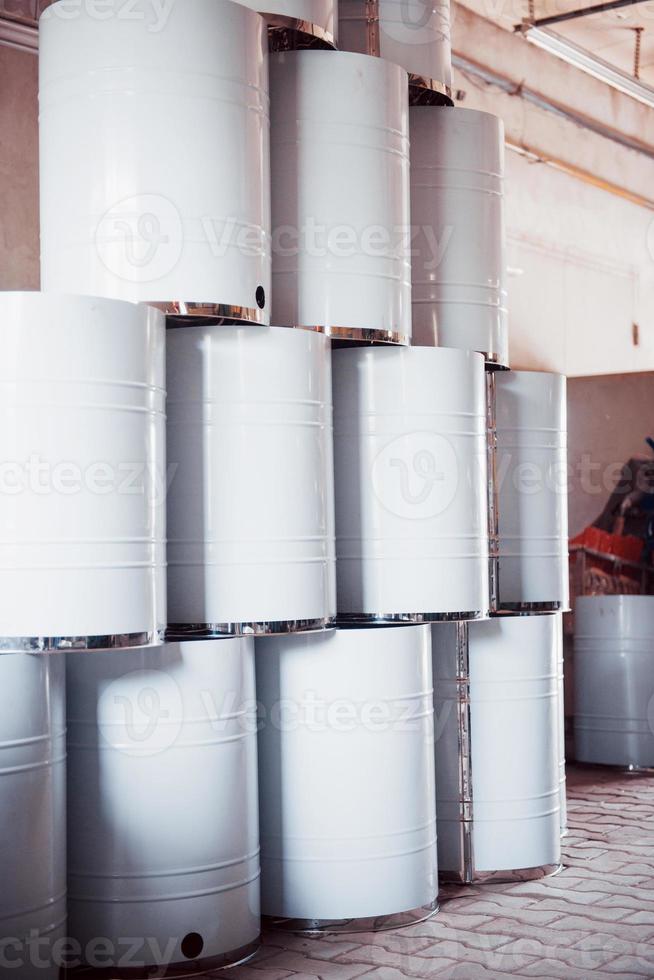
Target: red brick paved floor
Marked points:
594	919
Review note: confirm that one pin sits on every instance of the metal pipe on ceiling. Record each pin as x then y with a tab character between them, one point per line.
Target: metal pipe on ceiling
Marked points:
597	8
507	85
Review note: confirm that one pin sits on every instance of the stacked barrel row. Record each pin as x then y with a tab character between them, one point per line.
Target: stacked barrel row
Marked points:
260	397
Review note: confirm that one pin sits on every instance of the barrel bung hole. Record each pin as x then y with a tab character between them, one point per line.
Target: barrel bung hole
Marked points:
192	945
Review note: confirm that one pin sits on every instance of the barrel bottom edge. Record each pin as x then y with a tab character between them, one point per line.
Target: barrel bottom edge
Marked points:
529	608
188	631
428	91
294	33
497	877
194	313
384	619
59	644
628	768
495	362
361	335
374	923
195	968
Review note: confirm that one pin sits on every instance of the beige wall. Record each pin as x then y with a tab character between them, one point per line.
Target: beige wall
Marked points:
19	178
608	420
581	274
581	256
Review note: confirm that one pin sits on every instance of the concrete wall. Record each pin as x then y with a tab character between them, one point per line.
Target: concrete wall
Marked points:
581	227
582	274
608	420
19	176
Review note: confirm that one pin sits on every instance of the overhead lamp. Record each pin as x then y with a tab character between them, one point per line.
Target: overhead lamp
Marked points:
583	59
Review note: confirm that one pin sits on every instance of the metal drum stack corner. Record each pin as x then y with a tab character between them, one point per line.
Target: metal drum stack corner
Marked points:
406	32
531	420
32	814
496	748
149	213
340	196
162	815
298	24
459	275
82	530
346	776
250	505
411	484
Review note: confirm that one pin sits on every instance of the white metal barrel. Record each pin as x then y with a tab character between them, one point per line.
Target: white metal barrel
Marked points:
493	496
32	815
458	260
496	747
340	195
82	521
533	493
346	780
250	502
412	33
410	476
314	21
563	792
164	109
614	680
162	814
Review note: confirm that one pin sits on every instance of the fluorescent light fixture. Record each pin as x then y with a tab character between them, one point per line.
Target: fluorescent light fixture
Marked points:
588	62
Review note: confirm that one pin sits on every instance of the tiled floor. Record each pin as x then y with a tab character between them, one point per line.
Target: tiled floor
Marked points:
596	918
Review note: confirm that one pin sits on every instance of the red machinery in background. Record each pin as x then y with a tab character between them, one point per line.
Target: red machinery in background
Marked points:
613	555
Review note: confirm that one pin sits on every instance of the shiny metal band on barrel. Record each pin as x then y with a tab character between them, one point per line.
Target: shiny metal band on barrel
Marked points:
493	493
460	828
370	619
502	877
531	608
375	923
188	631
182	313
465	874
57	644
492	363
427	91
360	335
293	33
631	769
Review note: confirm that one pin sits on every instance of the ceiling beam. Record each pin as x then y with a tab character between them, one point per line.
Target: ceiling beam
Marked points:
597	8
530	95
553	111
